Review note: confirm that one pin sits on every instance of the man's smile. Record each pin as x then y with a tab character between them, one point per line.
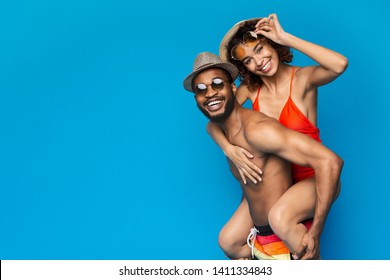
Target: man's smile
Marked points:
214	104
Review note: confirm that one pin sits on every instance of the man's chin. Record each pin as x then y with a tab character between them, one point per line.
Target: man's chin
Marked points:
213	116
218	117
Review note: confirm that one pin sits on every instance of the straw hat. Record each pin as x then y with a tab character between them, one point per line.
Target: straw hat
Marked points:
206	60
223	53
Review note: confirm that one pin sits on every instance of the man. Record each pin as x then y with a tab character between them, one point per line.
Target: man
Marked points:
273	147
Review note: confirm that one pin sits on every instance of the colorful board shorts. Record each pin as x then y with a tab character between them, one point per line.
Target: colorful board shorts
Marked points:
267	246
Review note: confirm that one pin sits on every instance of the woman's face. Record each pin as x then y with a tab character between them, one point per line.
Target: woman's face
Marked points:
259	57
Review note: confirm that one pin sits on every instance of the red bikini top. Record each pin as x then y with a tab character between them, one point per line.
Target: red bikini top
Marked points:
291	117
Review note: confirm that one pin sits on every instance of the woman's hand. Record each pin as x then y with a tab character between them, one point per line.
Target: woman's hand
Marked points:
239	156
241	159
271	28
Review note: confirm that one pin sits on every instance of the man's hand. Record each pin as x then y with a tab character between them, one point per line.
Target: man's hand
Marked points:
309	249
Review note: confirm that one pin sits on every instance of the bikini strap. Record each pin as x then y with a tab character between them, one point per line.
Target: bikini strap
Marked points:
255	104
291	80
258	92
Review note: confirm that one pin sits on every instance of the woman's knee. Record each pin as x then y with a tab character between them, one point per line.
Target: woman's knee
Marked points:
280	220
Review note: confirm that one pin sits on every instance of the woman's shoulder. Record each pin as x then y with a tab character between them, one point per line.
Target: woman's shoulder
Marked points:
302	72
243	92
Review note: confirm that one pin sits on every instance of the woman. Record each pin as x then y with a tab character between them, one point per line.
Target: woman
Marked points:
260	49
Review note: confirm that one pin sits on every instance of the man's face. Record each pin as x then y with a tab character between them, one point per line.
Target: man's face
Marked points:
214	94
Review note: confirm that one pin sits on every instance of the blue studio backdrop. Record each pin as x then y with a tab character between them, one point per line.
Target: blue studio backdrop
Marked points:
104	155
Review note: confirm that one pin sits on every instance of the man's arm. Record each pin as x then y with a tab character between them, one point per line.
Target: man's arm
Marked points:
270	136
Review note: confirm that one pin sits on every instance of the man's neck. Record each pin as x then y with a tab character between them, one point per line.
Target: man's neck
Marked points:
233	124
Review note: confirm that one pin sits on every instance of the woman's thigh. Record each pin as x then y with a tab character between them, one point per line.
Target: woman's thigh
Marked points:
298	202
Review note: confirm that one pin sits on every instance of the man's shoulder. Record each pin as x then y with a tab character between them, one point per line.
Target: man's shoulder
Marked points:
256	118
260	124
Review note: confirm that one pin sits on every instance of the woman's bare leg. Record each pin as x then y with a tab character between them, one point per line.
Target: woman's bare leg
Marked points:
296	205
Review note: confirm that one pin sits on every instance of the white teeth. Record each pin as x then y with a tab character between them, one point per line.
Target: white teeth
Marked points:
265	66
213	103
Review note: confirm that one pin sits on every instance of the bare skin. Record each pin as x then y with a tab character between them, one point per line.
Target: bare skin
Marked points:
273	146
262	60
238	225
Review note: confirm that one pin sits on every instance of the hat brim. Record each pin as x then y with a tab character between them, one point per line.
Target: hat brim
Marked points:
223	53
233	71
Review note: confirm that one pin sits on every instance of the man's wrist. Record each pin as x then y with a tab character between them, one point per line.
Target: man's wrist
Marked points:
316	229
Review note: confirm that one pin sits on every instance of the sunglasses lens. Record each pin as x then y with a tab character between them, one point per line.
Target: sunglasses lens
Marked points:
217	84
238	52
200	88
249	39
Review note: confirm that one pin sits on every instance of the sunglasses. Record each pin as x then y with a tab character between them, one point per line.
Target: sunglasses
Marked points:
248	39
217	84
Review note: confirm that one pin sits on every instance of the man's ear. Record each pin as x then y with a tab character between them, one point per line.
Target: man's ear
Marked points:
234	88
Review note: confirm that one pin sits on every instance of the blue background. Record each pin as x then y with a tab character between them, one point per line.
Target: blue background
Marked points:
104	155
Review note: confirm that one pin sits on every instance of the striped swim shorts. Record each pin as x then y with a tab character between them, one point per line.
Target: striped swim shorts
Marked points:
267	246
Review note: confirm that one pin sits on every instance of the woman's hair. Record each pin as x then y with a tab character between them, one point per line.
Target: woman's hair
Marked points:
253	81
